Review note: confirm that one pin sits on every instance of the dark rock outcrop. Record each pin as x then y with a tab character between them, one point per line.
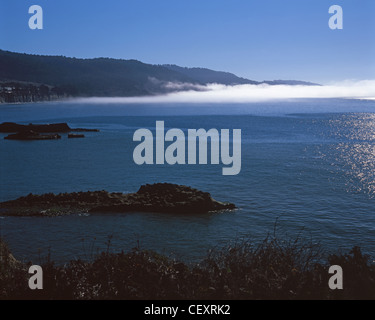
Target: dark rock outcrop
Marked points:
33	131
84	130
31	135
159	197
11	127
75	135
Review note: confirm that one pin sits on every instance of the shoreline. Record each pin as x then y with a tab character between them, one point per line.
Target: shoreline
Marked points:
86	99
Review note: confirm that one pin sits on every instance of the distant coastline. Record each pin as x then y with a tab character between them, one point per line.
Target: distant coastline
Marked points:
55	78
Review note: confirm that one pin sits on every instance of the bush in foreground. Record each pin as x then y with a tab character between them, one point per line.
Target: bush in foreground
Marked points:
274	269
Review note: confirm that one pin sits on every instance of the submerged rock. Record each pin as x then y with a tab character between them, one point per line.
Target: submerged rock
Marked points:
159	197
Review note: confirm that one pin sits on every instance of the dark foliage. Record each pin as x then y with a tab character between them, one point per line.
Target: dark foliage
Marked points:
275	269
203	75
88	77
37	78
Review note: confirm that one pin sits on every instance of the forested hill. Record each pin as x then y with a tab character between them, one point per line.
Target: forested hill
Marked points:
26	77
210	76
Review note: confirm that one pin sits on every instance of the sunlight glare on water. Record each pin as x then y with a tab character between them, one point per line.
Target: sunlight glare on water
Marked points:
311	170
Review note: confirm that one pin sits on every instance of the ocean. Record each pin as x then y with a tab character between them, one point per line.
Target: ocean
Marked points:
308	166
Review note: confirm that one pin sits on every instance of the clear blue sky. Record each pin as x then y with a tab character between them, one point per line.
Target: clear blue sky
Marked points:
257	39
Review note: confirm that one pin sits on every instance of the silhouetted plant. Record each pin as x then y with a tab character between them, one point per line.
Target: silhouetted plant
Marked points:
275	269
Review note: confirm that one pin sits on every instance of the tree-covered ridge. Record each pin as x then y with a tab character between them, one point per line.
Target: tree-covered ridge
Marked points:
27	78
87	77
205	76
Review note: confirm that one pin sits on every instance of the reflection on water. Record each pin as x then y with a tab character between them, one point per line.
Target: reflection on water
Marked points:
308	170
356	156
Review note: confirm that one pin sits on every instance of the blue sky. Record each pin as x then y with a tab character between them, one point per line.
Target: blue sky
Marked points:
257	39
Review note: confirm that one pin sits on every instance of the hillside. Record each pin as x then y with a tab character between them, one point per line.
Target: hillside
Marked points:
27	78
205	76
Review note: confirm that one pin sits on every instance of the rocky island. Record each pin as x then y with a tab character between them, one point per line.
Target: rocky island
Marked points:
31	135
159	197
39	131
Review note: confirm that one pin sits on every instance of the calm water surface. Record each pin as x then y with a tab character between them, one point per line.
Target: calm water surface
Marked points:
308	163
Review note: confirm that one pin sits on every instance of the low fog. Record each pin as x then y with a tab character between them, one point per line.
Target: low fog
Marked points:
217	93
